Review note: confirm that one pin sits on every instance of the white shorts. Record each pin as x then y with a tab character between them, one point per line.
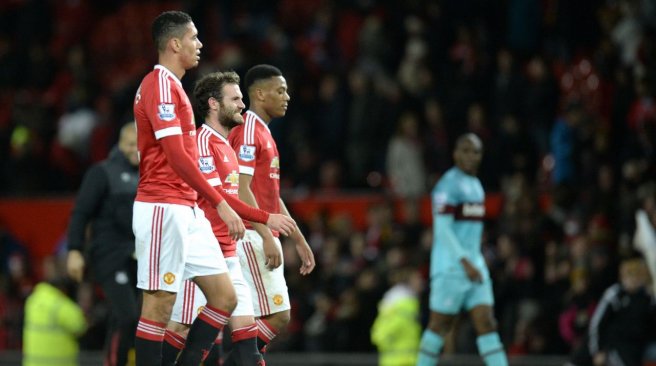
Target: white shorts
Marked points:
173	243
268	287
190	302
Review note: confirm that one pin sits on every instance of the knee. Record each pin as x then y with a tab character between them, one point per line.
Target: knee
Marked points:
440	325
226	302
279	320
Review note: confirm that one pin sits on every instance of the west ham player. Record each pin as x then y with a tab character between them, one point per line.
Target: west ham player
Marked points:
459	275
260	253
174	241
218	99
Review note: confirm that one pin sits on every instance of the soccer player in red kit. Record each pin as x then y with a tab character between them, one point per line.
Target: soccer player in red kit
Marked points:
260	252
218	100
173	239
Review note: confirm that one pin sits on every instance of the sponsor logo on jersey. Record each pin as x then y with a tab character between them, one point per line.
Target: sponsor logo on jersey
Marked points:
473	210
169	278
206	164
247	152
232	178
277	299
166	112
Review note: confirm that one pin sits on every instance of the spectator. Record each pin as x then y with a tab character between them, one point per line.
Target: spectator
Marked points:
53	323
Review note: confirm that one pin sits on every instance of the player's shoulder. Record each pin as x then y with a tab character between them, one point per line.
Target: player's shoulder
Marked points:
449	178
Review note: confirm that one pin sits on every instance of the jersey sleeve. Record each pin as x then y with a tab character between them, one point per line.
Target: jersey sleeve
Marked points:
444	202
444	199
246	147
207	162
162	106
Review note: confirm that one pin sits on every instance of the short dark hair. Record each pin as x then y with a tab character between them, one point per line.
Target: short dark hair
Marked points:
260	72
167	25
211	86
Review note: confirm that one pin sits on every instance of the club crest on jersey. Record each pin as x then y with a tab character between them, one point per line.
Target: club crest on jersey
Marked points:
275	163
166	112
247	152
206	164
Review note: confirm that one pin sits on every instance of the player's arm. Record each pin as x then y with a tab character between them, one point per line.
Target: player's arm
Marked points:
302	247
89	198
443	214
187	169
271	252
599	320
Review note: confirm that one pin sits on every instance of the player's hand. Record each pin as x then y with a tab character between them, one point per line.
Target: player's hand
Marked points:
75	265
306	255
282	223
473	274
235	225
272	255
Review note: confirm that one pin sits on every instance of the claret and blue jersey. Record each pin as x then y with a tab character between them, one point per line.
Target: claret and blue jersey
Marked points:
458	202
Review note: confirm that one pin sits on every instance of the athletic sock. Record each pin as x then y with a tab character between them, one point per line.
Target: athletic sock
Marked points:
214	357
201	336
173	344
430	348
266	333
244	351
491	349
148	342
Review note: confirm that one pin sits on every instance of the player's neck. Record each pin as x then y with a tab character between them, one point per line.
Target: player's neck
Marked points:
173	66
261	113
218	127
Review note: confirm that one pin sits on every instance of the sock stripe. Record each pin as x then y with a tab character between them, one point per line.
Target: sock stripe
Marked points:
266	331
174	339
148	329
215	317
491	352
247	332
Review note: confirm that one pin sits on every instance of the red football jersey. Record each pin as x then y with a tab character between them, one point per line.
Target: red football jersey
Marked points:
218	163
257	155
162	108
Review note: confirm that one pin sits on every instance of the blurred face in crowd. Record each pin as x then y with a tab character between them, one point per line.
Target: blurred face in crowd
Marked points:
633	275
127	143
468	153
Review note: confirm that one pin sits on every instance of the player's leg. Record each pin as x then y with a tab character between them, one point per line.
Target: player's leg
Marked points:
445	302
188	304
160	230
242	323
479	302
206	265
268	288
119	290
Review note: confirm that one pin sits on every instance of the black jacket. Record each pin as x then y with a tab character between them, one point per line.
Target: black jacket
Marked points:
105	201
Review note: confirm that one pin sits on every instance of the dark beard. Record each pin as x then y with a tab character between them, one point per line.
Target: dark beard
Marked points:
228	121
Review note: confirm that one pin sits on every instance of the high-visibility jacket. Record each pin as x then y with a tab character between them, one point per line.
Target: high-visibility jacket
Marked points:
53	323
396	331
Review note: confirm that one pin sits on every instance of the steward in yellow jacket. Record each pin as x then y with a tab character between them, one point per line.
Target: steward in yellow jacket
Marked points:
53	322
396	332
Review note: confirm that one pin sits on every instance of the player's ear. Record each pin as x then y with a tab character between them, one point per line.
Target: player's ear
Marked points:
175	44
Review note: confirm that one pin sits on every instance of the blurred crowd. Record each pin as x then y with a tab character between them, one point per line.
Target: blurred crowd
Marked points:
561	92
